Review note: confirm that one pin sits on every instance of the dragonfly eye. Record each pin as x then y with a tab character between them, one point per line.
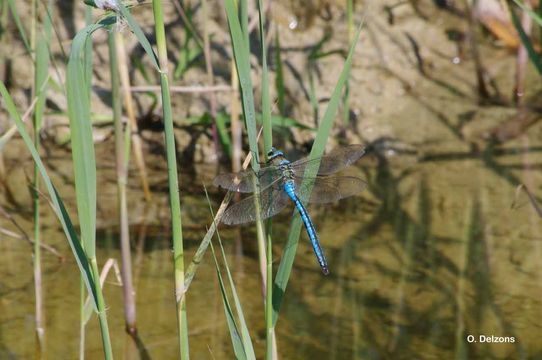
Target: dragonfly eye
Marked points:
272	153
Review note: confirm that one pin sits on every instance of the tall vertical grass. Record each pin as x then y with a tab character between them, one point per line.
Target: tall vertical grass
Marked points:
524	37
350	35
267	141
57	204
238	25
174	200
41	36
79	78
82	294
84	163
324	129
239	38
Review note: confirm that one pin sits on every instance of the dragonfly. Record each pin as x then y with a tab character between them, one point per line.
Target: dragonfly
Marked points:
280	182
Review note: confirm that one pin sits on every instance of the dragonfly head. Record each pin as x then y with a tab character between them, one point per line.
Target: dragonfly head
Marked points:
274	153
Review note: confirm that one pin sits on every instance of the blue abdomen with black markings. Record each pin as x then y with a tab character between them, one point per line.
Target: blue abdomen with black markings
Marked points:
289	188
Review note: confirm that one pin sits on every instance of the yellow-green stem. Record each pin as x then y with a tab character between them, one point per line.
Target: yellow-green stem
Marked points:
269	299
173	183
102	316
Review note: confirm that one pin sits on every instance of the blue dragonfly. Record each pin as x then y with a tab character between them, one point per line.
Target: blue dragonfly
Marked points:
280	182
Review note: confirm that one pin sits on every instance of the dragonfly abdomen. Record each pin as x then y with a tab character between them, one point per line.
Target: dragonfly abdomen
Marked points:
289	187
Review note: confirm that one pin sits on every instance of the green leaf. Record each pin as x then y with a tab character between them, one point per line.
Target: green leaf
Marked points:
20	27
242	343
285	266
242	62
525	38
237	343
84	161
221	120
266	101
187	55
529	11
139	35
286	122
279	77
57	204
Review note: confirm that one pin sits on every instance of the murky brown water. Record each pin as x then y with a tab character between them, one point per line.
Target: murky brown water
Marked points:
429	254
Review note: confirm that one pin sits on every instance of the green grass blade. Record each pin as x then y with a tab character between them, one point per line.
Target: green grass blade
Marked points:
84	161
81	135
279	77
350	31
266	101
285	266
41	77
539	15
526	41
239	38
20	27
243	20
198	256
88	48
187	55
312	92
245	334
221	120
173	182
58	205
528	10
75	244
242	63
247	349
287	123
191	47
268	143
237	343
139	34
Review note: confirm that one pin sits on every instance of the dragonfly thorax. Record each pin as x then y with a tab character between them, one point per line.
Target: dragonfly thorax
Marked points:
286	170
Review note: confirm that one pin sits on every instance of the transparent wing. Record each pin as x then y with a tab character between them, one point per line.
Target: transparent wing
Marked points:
328	189
336	160
272	201
244	181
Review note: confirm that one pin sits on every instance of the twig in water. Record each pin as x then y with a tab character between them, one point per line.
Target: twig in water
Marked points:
24	236
182	89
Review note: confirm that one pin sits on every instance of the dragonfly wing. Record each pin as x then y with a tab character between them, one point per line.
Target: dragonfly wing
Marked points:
336	160
328	189
245	181
272	201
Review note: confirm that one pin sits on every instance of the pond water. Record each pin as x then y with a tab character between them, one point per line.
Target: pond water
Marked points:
430	253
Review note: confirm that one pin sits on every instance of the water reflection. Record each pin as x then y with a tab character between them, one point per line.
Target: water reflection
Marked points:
430	253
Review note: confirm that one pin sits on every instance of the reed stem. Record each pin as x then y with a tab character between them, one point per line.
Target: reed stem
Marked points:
173	182
39	70
102	315
122	169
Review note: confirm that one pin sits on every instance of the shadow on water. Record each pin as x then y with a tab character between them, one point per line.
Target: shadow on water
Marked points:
435	291
475	305
141	348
